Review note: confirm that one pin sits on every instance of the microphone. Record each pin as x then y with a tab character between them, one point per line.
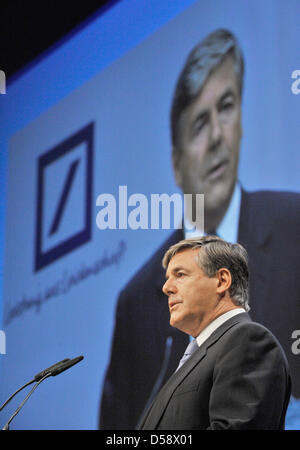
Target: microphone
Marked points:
65	365
53	370
37	377
41	374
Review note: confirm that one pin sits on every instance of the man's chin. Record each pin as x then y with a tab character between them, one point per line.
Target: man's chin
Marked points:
177	323
218	198
173	322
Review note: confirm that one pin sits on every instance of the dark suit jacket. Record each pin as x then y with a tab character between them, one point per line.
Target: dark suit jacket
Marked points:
238	379
269	228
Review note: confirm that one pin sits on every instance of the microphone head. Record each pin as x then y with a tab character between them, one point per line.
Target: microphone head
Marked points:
66	365
44	372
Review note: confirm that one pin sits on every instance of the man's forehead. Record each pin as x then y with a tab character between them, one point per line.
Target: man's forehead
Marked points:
183	257
221	79
227	64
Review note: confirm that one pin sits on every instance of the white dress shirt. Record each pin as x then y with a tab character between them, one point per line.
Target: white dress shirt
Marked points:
207	331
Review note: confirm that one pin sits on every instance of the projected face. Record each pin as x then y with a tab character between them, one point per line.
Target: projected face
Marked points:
210	140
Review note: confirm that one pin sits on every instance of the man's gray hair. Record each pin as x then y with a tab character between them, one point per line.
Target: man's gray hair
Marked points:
201	62
215	253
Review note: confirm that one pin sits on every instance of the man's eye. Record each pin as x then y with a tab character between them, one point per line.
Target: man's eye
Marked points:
197	128
180	274
227	106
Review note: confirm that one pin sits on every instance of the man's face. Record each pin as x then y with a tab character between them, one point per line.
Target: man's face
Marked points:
192	294
210	139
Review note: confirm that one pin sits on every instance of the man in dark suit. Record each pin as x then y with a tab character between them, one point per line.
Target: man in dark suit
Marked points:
206	132
235	374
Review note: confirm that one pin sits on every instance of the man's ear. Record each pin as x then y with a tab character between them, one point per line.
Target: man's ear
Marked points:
224	280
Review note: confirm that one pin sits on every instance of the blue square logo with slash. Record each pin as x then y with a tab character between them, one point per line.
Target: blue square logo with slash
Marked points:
64	197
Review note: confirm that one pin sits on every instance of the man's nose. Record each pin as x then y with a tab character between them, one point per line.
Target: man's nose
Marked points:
169	287
216	129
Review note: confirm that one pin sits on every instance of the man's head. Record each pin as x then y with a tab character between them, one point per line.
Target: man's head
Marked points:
205	277
206	121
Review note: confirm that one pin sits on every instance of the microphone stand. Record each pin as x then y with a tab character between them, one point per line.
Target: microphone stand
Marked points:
6	426
15	393
52	371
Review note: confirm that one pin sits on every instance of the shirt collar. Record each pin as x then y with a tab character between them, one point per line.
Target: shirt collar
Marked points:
204	335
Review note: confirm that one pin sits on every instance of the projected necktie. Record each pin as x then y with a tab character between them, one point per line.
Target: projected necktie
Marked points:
191	348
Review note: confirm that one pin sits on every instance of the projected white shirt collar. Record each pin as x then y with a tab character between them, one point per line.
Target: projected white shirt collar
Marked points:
228	228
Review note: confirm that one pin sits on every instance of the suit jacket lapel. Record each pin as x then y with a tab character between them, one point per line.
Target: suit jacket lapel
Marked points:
255	233
161	402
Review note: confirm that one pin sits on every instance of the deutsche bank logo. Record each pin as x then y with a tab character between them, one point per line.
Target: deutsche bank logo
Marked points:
64	193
